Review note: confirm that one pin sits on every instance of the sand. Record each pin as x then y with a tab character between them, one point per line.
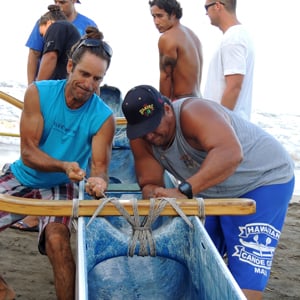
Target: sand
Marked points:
30	273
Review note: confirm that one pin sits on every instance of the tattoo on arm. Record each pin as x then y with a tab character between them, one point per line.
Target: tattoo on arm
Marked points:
167	64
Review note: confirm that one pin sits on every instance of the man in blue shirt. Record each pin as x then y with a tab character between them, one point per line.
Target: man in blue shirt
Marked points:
35	42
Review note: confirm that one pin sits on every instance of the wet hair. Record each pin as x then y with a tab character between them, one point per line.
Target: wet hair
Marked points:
54	14
102	50
170	6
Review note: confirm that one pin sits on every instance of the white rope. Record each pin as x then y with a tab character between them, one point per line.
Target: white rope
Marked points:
201	209
142	227
75	206
173	203
98	209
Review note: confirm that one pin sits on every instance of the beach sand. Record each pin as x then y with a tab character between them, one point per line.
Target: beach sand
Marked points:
30	273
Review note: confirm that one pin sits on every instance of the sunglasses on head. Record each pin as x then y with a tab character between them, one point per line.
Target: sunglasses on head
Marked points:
93	43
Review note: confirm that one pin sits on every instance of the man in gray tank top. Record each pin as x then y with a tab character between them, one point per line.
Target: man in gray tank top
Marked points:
214	154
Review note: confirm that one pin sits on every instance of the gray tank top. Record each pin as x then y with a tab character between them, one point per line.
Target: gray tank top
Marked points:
265	161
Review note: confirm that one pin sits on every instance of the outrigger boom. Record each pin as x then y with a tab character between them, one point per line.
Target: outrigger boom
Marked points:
190	207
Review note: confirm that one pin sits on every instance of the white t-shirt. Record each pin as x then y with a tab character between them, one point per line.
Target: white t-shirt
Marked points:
234	56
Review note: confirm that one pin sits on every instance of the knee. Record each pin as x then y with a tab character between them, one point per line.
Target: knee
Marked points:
57	238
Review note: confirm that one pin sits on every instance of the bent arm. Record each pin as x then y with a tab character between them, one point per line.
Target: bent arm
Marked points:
31	129
167	64
48	64
32	64
101	153
149	172
209	129
232	90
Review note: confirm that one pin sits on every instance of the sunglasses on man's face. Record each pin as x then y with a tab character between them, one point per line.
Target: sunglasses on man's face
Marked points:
207	6
93	43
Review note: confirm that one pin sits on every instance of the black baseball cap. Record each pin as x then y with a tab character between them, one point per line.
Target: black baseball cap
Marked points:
143	108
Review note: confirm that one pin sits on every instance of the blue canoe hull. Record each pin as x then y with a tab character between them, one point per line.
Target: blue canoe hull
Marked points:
186	265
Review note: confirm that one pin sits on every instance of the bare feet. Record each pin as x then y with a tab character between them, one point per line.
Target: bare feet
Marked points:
29	223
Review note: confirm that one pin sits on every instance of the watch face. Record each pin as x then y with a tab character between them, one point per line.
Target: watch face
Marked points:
186	189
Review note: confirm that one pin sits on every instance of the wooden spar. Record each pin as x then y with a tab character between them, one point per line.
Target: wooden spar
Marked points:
12	100
39	207
19	104
9	134
120	121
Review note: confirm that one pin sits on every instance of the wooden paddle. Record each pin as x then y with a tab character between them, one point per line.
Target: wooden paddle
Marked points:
217	207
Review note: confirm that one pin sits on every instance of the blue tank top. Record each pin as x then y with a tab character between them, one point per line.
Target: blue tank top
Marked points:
265	161
67	134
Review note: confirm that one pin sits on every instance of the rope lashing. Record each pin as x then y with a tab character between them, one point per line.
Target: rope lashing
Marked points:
142	232
75	204
75	208
201	209
99	208
142	228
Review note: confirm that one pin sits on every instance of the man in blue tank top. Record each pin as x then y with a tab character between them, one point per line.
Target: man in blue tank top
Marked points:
214	153
63	124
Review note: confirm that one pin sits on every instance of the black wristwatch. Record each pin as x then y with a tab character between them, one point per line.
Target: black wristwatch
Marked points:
186	189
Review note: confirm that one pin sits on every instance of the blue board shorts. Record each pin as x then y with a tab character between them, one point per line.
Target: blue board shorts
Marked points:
250	241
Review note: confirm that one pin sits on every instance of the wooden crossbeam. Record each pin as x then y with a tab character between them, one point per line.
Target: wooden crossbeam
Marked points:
27	206
120	121
12	100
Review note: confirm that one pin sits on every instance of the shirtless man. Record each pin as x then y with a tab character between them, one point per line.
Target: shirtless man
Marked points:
180	52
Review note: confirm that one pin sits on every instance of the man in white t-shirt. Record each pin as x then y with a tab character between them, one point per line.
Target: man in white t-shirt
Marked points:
230	73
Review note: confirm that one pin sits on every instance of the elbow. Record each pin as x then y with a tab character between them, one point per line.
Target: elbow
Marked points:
26	157
237	157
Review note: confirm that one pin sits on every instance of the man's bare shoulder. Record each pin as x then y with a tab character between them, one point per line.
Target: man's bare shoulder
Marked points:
170	34
202	107
180	35
200	118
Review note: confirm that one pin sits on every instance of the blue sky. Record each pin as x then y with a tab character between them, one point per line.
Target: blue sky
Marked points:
128	27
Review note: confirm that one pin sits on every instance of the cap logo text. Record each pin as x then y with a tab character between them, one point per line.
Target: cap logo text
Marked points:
146	110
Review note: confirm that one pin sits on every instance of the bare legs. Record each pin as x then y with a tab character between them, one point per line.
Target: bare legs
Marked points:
58	249
253	295
6	292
